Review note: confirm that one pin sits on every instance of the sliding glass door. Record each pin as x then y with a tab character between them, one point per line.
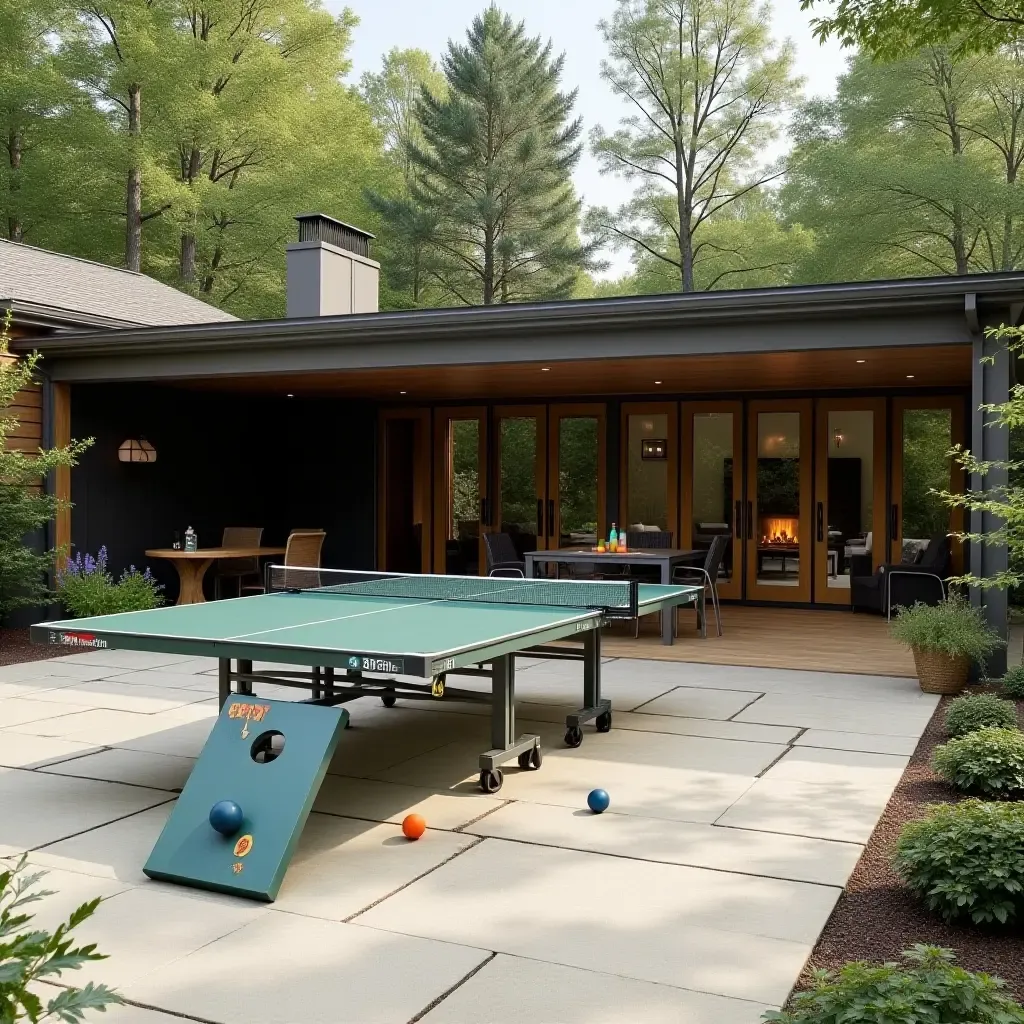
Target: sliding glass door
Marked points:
520	493
649	468
576	475
460	490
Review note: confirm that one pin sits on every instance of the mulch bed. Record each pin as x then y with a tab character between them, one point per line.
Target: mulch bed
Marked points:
877	917
15	647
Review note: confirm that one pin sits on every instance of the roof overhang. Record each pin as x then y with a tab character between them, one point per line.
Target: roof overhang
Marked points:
921	312
32	314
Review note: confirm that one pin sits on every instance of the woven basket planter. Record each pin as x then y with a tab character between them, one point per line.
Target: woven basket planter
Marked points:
938	672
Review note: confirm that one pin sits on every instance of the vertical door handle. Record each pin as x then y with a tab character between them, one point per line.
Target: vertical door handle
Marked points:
483	512
750	520
540	518
738	524
551	517
821	522
894	522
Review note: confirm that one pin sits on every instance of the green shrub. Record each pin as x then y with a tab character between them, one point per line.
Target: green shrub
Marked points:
29	955
927	988
966	860
1013	682
976	711
85	587
951	626
989	762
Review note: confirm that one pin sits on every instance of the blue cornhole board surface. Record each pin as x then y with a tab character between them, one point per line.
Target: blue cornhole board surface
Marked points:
276	798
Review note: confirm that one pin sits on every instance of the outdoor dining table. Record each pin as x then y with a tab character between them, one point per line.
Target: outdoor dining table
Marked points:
666	559
192	566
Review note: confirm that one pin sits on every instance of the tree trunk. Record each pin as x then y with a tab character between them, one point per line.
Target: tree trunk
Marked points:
488	280
684	205
15	228
187	262
133	200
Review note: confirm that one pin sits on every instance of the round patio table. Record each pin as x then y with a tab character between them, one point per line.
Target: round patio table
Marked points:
192	566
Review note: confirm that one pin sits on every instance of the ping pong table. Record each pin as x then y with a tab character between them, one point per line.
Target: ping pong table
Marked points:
395	636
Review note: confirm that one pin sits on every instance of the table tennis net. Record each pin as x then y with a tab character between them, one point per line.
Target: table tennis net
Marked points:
616	598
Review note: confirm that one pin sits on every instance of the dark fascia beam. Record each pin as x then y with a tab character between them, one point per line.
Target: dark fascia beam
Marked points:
500	323
971	312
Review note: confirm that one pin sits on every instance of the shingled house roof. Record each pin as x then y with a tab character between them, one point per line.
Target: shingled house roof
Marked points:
54	289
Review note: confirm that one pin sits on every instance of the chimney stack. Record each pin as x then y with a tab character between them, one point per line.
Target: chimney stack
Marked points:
329	269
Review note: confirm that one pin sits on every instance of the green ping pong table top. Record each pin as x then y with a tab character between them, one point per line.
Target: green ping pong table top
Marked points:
397	635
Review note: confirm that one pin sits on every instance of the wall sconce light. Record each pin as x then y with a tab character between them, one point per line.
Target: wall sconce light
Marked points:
838	438
139	450
654	448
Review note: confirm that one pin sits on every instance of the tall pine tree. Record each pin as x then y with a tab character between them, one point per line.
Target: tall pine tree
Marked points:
491	177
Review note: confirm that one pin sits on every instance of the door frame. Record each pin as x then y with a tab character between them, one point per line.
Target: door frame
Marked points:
801	593
421	481
443	415
671	411
558	412
731	589
957	478
540	414
823	593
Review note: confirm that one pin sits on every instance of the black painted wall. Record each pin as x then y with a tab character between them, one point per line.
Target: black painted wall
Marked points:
222	460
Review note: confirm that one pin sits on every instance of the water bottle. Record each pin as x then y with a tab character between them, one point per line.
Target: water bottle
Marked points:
613	538
191	541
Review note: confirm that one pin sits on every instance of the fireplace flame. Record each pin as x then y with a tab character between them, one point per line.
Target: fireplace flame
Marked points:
780	531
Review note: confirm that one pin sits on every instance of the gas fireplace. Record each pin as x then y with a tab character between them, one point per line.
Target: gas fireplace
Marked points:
779	530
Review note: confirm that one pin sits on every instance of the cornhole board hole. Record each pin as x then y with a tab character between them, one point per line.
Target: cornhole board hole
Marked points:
270	758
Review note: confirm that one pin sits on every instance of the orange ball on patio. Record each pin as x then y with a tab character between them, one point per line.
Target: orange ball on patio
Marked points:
414	826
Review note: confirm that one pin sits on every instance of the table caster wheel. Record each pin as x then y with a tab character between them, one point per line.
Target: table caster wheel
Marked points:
490	781
573	736
604	722
531	759
389	700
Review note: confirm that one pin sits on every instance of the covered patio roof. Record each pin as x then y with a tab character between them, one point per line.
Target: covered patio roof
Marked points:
689	342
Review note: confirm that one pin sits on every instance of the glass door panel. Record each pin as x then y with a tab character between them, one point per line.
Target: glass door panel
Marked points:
576	475
925	430
460	458
648	485
403	487
712	487
778	511
849	511
521	489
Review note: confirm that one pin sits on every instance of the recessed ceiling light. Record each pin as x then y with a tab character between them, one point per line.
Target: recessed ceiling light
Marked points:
545	369
289	396
657	382
910	376
861	360
402	392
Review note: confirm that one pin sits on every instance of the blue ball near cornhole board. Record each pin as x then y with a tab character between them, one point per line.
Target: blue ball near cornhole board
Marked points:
598	801
226	817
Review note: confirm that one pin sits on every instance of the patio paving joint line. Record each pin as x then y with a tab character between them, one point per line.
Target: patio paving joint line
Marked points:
447	992
732	717
142	1006
412	881
70	757
92	778
796	835
102	824
490	810
636	709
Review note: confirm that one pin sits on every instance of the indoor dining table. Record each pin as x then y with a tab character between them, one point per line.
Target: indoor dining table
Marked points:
192	565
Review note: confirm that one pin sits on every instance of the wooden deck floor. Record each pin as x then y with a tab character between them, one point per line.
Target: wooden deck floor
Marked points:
796	638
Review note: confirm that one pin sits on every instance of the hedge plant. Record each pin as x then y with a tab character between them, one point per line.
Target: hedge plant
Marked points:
951	627
966	860
926	988
976	711
989	762
1013	682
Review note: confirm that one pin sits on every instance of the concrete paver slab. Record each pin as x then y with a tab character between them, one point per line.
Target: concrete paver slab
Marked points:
674	842
39	808
386	801
115	695
125	659
513	990
137	767
643	721
700	702
30	687
862	769
21	710
905	745
710	931
128	1014
320	972
839	714
343	865
18	751
68	891
175	677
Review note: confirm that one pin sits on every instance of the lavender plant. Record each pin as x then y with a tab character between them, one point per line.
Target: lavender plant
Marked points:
85	586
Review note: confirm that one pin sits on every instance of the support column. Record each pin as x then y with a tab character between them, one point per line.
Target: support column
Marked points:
61	396
990	385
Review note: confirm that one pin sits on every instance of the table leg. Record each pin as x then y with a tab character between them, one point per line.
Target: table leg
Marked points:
244	686
668	613
595	707
190	576
505	746
530	567
223	681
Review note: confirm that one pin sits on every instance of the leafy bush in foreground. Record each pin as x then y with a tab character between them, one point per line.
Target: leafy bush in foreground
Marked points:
966	860
976	711
989	762
30	955
1013	682
927	988
951	626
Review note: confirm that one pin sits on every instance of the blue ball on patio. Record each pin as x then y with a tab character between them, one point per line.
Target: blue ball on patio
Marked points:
226	817
598	801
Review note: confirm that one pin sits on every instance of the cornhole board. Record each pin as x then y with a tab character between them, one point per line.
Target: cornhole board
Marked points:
275	794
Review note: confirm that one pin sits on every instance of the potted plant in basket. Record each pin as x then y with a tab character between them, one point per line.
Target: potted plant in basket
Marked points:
946	640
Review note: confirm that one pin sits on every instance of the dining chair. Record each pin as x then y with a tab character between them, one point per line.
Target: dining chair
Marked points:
302	557
238	569
502	557
707	573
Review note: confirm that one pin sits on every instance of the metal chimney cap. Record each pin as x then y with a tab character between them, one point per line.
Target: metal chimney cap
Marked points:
314	218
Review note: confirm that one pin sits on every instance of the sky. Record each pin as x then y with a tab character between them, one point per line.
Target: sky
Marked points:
572	27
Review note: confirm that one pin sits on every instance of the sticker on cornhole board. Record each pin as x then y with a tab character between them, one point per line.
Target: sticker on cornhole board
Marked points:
269	757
